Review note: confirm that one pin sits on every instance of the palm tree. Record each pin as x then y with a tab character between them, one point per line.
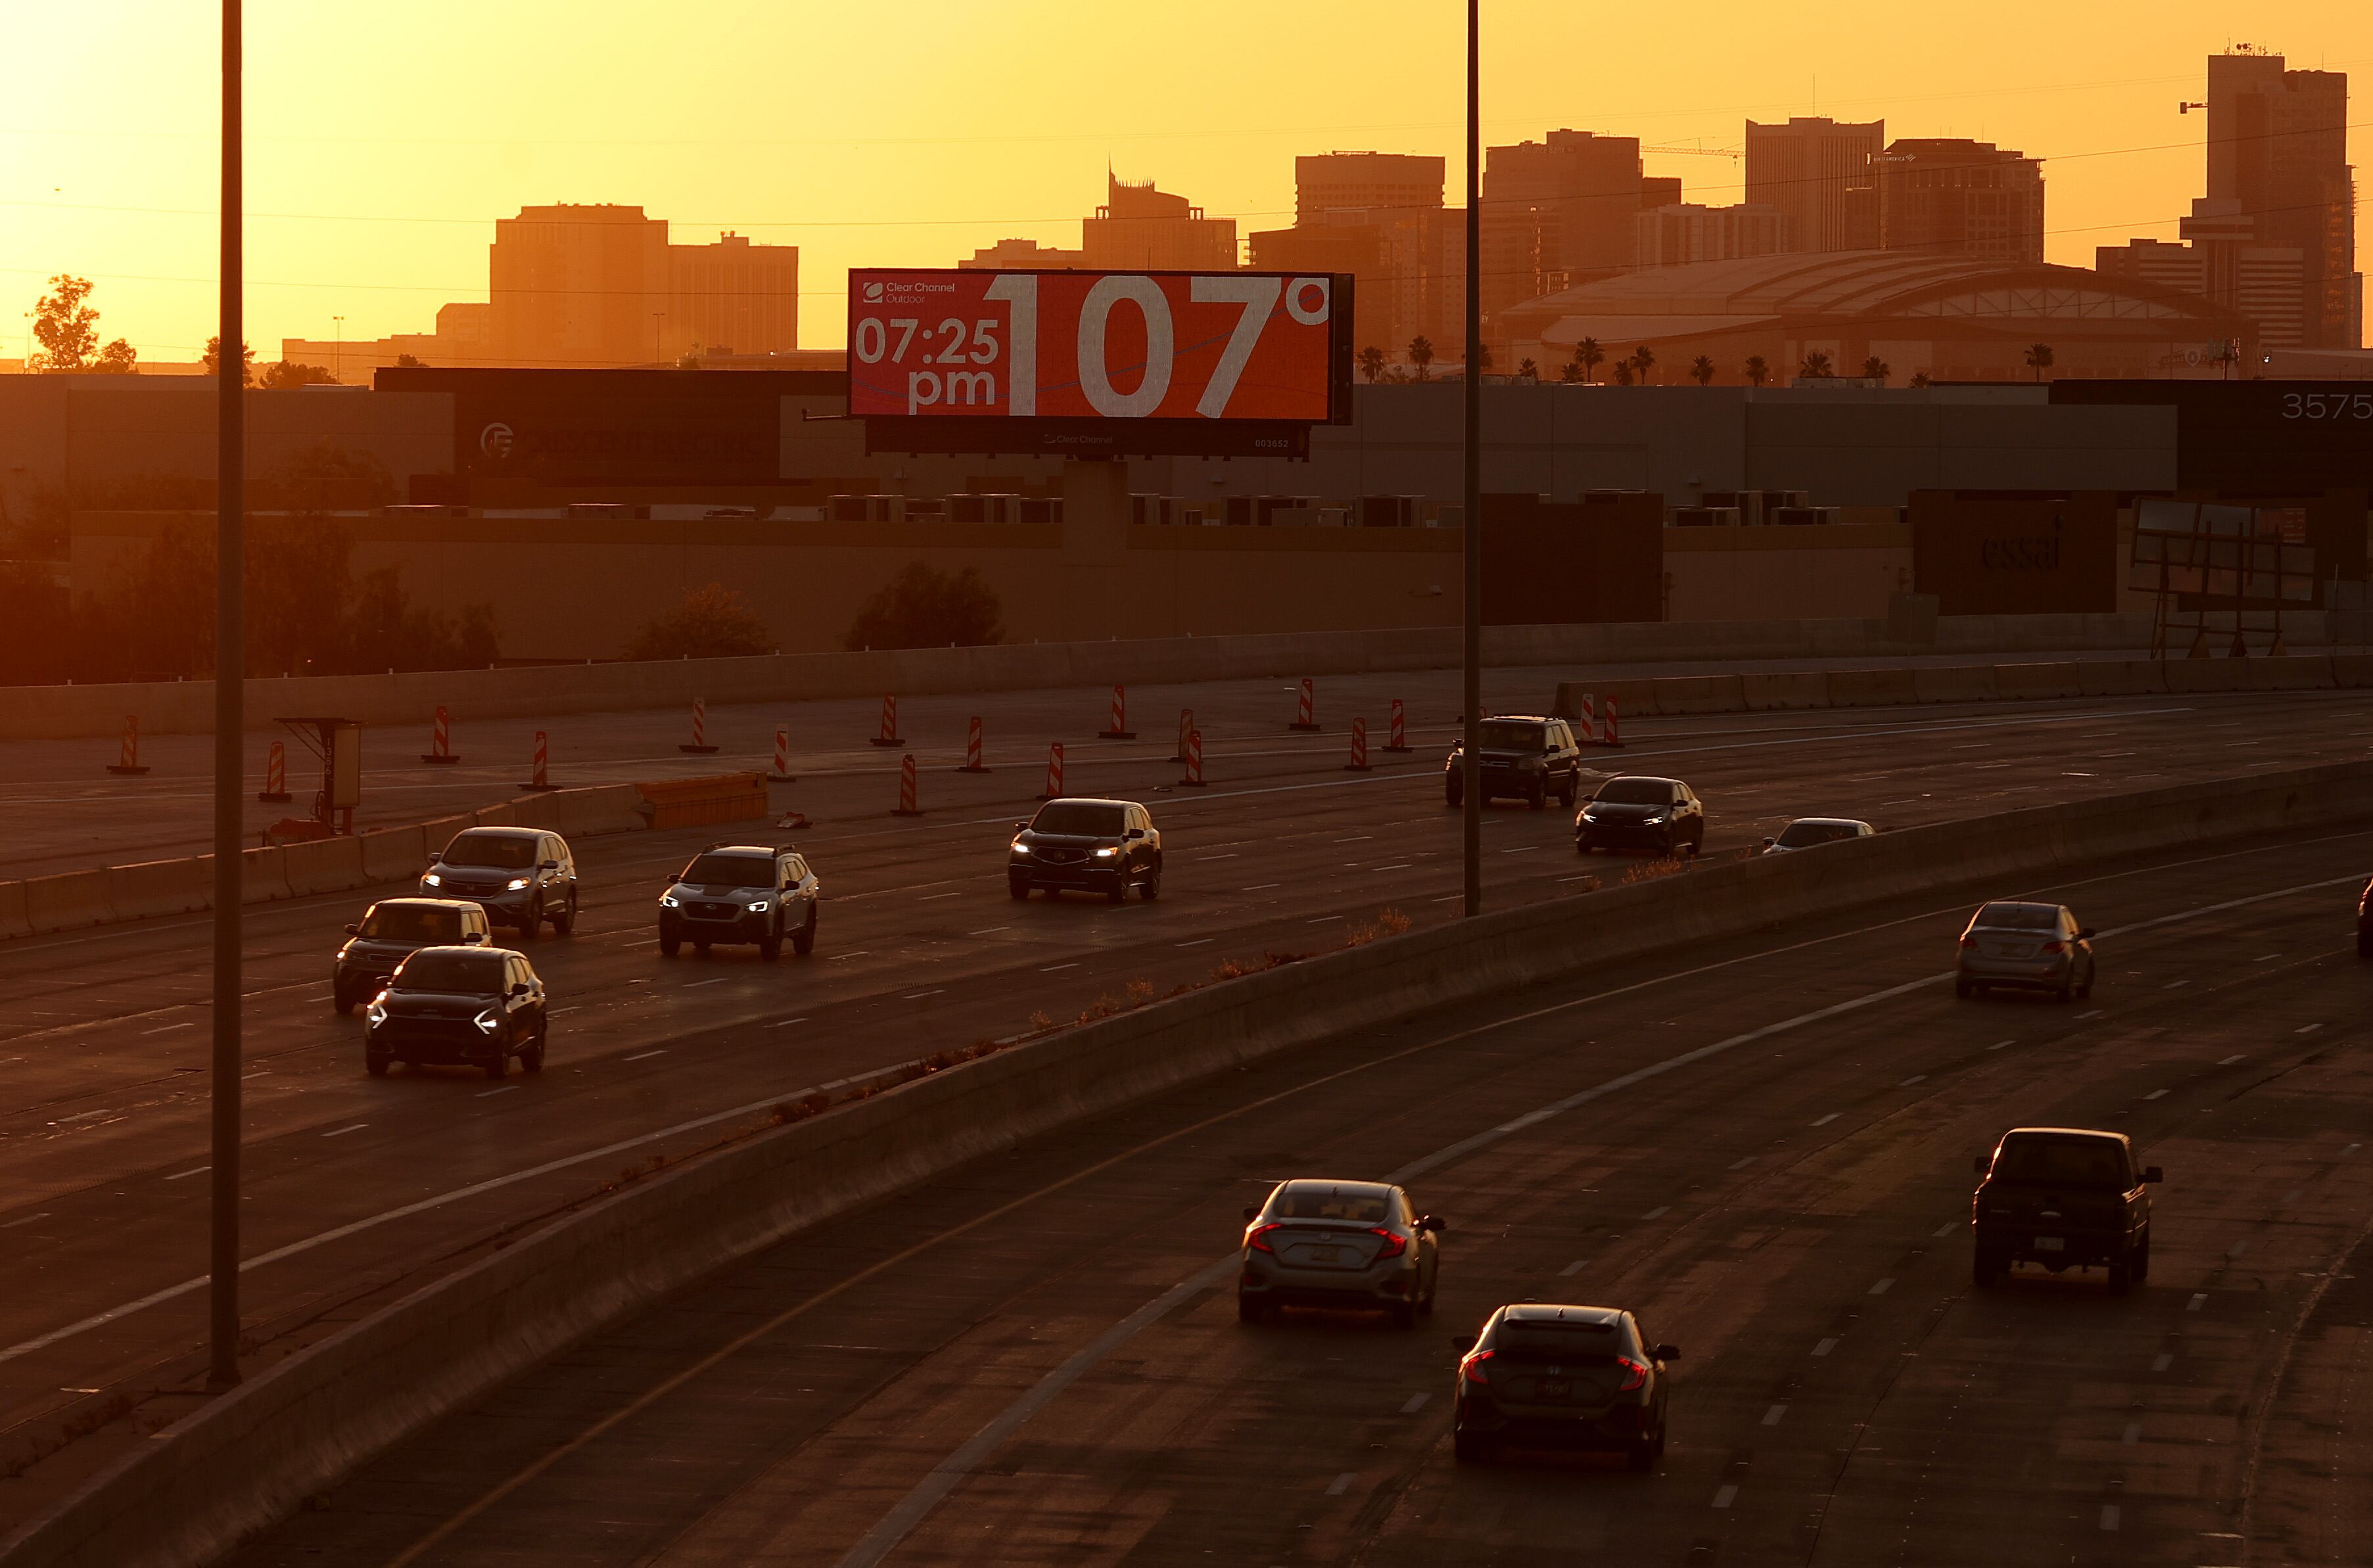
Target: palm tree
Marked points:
1590	357
1875	368
1643	359
1481	360
1702	369
1372	363
1919	378
1527	371
1623	372
1570	373
1817	364
1757	372
2039	359
1420	354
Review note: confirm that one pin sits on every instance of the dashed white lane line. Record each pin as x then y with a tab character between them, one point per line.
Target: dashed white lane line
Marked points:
79	1116
1742	1162
1416	1403
2109	1516
2302	1029
2237	1247
1447	898
1396	865
507	1088
1824	1120
1260	886
1341	1484
2161	1362
1724	1498
645	1055
2228	1061
1198	941
169	1029
2270	958
777	1024
1772	1416
1826	1346
181	1174
1230	855
695	986
918	995
28	1219
1051	969
341	1131
556	1012
2085	1017
2199	1299
1356	839
933	898
1322	920
2350	1150
988	930
1915	1078
1658	1212
1520	849
2134	1432
1948	1228
1572	1269
2156	1094
1882	1287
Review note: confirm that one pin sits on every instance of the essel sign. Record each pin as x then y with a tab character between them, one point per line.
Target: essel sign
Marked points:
1092	346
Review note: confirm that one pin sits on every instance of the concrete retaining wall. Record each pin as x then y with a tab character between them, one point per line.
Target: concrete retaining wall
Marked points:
249	1458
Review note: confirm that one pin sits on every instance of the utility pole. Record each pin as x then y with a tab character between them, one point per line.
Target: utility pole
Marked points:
230	671
338	352
1471	509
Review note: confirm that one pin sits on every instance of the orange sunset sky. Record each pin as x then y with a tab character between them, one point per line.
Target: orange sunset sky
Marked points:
384	139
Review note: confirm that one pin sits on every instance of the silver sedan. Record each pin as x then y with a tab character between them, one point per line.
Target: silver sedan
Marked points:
1356	1245
2032	946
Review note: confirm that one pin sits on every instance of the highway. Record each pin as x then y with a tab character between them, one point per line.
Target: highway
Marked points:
1762	1147
360	1189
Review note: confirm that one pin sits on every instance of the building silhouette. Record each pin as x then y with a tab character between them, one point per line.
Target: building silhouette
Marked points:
1681	232
1949	196
2278	147
1141	228
1560	210
1379	217
1822	174
1022	255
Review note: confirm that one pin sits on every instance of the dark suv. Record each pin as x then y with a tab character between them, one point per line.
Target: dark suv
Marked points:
1106	846
520	876
392	931
458	1007
1520	755
2066	1198
742	893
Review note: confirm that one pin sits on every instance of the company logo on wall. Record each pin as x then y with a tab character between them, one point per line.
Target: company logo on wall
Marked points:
494	441
874	294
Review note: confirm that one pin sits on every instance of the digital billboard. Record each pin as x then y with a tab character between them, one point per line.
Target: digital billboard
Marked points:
1086	361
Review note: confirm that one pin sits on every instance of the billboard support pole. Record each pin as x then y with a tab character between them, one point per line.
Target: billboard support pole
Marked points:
1471	508
231	670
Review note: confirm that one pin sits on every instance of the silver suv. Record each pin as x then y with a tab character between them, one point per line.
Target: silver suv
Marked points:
733	893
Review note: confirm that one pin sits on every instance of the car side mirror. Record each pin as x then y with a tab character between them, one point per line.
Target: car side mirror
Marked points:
518	988
1769	842
1434	1222
1983	1163
549	865
2153	1173
1252	1213
1134	833
1019	826
1462	1343
473	938
2084	934
354	930
1666	1353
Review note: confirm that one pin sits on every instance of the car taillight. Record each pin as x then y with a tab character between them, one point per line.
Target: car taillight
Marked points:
1393	1245
1472	1368
1967	940
1253	1237
1635	1375
2051	946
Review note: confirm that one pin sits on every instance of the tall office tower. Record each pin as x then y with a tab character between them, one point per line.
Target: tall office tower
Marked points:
1557	212
1139	227
2278	145
1947	196
1379	217
1022	255
596	286
734	296
1821	173
1364	183
1681	232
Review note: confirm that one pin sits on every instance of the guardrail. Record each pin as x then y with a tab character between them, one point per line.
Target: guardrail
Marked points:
251	1456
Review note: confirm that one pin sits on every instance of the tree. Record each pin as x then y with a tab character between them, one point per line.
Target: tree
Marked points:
1371	363
1875	368
1590	357
287	373
1623	372
1570	373
1702	369
2039	358
1919	378
1527	371
1816	366
1643	359
1481	360
1758	371
711	622
1420	354
922	608
407	362
67	329
246	360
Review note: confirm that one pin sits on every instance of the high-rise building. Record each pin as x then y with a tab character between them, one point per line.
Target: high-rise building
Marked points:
1948	196
1379	217
1821	174
604	285
1556	212
1139	227
2278	145
1680	232
1364	183
1022	255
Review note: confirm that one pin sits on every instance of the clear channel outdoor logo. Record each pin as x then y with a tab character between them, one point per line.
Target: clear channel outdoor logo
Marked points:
494	441
874	293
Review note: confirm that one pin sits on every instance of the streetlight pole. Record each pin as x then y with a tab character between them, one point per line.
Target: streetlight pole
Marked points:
338	352
1471	509
231	670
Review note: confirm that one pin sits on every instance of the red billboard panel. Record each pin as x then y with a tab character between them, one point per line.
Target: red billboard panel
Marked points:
1078	348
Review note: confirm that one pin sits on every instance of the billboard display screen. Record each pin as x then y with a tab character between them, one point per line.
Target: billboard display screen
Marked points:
1029	355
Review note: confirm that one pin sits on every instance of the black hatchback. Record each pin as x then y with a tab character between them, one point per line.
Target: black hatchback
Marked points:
1570	1377
458	1007
1101	846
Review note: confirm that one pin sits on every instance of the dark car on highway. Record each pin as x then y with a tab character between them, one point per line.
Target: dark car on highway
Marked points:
2066	1198
1356	1245
1519	755
522	876
1104	846
1571	1377
1637	811
458	1007
392	932
2364	920
742	893
1809	833
2027	947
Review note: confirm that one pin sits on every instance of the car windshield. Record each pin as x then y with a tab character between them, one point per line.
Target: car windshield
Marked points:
475	974
731	871
424	924
1507	735
1569	1342
2018	917
1353	1205
2062	1162
1087	817
1798	835
1635	792
501	851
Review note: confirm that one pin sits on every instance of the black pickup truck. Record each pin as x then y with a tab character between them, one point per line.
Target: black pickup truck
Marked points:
2066	1198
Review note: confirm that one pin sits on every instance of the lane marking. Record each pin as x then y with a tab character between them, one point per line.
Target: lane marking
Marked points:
1051	969
1915	1078
2001	1043
918	995
929	898
343	1130
169	1029
1724	1498
2134	1432
1404	866
1948	1228
1322	920
1657	1212
646	1056
777	1024
507	1088
2302	1029
2237	1056
1416	1403
2156	1094
1342	1483
2161	1362
1772	1417
1198	941
79	1116
1742	1162
988	930
1260	886
2237	1247
695	986
179	1174
1826	1346
2199	1299
2109	1516
2175	985
1824	1120
1572	1269
1882	1287
2088	1017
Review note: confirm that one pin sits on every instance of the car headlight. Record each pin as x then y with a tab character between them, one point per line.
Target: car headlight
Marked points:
376	1014
668	901
759	906
1021	848
1590	813
1106	853
489	1021
515	883
1656	820
432	880
1530	764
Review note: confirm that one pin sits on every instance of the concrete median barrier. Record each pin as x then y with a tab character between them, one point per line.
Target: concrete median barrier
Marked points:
251	1455
14	920
2037	682
1955	684
1681	694
1871	687
2298	672
2352	672
2121	678
2188	677
67	901
161	887
583	813
1784	689
393	854
264	873
324	866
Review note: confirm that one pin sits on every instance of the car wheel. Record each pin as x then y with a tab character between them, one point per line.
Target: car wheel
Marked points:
2121	1278
1962	990
803	939
1538	796
671	946
1017	887
1118	891
345	1003
565	920
1151	888
2364	944
531	1059
1640	1453
1250	1308
1572	790
375	1062
1581	844
530	924
500	1065
1451	794
1985	1269
1467	1447
2141	1258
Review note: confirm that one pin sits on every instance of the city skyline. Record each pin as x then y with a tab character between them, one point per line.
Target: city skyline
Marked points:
379	217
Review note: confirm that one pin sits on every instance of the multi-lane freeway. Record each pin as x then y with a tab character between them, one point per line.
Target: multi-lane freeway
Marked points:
359	1188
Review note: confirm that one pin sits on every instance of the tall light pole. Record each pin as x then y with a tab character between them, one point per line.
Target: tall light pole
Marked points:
231	670
1471	509
338	352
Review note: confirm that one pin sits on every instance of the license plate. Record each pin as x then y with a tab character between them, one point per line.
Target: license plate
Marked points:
2049	1243
1556	1389
1327	1254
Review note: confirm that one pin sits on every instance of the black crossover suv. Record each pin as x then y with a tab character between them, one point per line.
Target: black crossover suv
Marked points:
520	876
458	1007
392	931
742	893
1531	759
1103	846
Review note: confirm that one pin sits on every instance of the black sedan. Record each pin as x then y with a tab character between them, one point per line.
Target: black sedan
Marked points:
1103	846
458	1007
392	931
1639	812
1570	1377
